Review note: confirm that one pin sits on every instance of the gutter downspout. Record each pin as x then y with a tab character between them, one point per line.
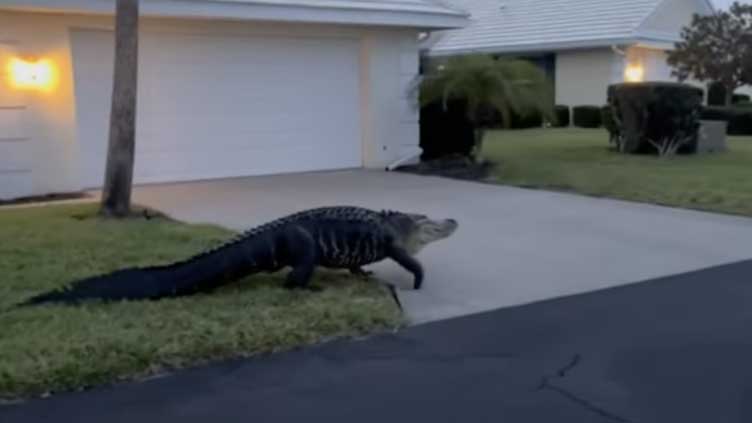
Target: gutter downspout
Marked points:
412	155
618	50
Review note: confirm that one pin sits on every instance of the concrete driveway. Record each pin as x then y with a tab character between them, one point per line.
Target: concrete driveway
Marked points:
513	246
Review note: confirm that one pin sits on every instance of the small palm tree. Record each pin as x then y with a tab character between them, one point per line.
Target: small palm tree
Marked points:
483	83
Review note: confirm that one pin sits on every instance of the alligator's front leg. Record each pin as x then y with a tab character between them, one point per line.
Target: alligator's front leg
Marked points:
409	263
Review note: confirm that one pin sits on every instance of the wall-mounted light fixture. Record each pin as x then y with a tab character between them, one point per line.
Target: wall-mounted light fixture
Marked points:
31	74
634	73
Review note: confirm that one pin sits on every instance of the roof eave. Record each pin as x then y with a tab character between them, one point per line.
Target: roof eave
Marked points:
335	12
533	47
644	40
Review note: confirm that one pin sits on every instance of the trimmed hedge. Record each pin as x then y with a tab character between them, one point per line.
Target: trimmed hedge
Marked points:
562	116
717	95
658	111
587	116
493	119
530	120
739	118
607	117
740	98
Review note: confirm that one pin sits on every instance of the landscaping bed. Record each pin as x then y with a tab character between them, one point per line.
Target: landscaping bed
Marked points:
579	160
454	166
57	348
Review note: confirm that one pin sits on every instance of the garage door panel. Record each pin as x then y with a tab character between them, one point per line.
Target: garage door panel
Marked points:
218	106
172	166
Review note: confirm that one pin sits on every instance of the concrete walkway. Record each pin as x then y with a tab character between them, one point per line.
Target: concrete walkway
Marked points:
513	246
668	351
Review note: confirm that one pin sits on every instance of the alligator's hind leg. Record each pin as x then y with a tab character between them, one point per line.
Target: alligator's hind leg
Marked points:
300	277
304	261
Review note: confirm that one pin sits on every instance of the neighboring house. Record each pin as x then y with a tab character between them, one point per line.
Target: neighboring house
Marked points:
585	45
226	88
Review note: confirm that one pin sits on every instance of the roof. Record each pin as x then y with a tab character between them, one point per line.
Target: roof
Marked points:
534	25
427	14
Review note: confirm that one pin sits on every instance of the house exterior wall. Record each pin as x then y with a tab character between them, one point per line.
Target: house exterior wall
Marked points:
747	89
653	61
655	65
389	65
39	150
583	76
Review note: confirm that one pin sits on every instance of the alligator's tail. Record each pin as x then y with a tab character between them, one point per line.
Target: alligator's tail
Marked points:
201	273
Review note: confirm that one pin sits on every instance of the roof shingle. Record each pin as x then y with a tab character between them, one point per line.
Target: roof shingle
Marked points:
517	25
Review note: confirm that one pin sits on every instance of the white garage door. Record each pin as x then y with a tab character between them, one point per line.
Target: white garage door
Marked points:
224	106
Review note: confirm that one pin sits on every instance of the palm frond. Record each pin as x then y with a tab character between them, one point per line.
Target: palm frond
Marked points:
508	86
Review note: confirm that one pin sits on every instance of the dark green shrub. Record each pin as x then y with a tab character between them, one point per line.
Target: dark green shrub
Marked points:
716	113
492	119
586	116
716	94
739	118
607	117
739	98
533	119
445	132
656	116
741	123
562	116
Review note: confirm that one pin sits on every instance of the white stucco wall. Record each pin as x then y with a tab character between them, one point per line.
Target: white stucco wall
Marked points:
655	66
747	89
583	76
38	134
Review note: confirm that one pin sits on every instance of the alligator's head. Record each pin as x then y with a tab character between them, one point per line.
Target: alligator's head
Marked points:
415	231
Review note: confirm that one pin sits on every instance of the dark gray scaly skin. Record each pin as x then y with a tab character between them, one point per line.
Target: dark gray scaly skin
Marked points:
332	237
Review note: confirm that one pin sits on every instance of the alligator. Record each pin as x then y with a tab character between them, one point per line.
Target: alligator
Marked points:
342	237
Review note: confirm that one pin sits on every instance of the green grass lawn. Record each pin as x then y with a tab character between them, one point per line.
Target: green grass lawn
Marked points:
579	160
58	348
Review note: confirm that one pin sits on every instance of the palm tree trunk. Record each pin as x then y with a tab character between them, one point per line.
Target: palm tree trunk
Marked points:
478	142
116	193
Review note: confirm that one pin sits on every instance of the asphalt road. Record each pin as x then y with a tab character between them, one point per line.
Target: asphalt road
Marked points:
676	349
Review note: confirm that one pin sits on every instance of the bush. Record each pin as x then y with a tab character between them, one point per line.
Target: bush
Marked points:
656	116
607	117
739	118
562	116
445	132
492	119
740	98
716	94
533	119
587	116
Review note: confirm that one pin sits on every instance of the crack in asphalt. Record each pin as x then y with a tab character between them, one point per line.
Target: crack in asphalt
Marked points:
426	358
584	403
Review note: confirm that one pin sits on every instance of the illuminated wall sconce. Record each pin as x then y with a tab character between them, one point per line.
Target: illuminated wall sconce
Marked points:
634	73
31	74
